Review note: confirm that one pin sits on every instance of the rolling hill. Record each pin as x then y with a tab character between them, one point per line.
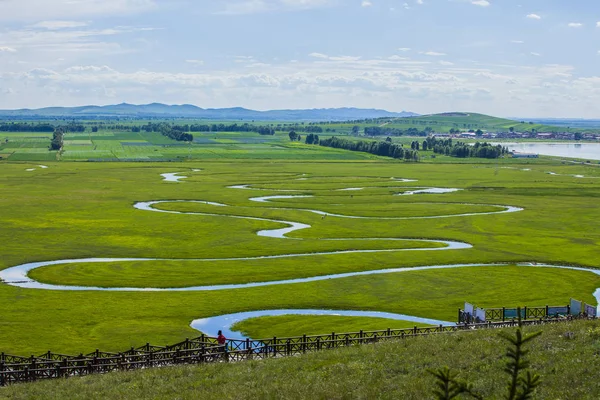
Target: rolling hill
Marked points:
158	110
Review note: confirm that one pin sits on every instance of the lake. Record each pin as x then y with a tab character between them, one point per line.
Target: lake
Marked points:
585	151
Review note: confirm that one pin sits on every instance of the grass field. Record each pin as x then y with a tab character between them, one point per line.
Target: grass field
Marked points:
85	210
565	356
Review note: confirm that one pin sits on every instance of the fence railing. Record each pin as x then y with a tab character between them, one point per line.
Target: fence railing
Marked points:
205	349
576	309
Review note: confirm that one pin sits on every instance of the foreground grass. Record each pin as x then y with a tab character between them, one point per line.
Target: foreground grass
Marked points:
566	356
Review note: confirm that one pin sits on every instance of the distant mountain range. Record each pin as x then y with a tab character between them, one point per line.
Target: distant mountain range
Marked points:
157	110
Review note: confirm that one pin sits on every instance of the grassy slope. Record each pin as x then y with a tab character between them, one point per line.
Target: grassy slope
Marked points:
52	210
392	370
442	123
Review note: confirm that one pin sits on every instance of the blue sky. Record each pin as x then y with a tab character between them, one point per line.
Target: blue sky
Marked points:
529	58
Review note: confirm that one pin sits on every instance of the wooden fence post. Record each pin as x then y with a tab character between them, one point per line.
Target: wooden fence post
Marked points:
304	343
275	346
2	369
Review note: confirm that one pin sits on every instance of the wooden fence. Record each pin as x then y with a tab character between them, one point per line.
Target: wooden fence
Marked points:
204	349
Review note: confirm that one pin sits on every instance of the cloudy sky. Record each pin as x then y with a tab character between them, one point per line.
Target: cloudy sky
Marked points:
529	58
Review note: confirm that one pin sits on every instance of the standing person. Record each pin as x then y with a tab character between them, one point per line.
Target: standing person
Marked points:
222	341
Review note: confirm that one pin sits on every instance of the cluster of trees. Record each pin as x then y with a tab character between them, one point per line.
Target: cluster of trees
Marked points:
385	131
25	127
57	139
463	150
386	149
294	136
311	138
176	134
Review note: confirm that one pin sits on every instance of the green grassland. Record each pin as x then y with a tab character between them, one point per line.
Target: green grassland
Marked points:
565	356
124	145
85	210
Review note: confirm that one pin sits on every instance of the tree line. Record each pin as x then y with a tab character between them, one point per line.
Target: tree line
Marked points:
174	133
385	131
158	127
25	127
463	150
385	149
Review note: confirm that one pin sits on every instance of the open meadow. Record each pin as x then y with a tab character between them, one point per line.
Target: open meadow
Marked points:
335	227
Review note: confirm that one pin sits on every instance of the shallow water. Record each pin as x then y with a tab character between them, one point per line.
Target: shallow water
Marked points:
585	151
574	176
429	191
266	199
173	177
224	323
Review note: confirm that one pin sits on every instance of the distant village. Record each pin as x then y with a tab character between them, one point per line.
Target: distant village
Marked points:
521	135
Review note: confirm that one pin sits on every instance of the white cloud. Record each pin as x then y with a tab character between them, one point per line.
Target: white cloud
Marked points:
404	49
241	7
64	40
533	16
195	62
481	3
88	68
54	25
51	9
575	25
366	3
318	55
598	24
517	41
334	58
6	49
433	53
533	53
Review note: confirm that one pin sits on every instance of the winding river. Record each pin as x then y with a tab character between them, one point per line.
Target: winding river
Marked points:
18	275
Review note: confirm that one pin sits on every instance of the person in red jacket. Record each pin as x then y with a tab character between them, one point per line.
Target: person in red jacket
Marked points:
222	341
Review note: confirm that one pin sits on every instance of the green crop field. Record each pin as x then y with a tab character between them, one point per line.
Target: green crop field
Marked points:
82	211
